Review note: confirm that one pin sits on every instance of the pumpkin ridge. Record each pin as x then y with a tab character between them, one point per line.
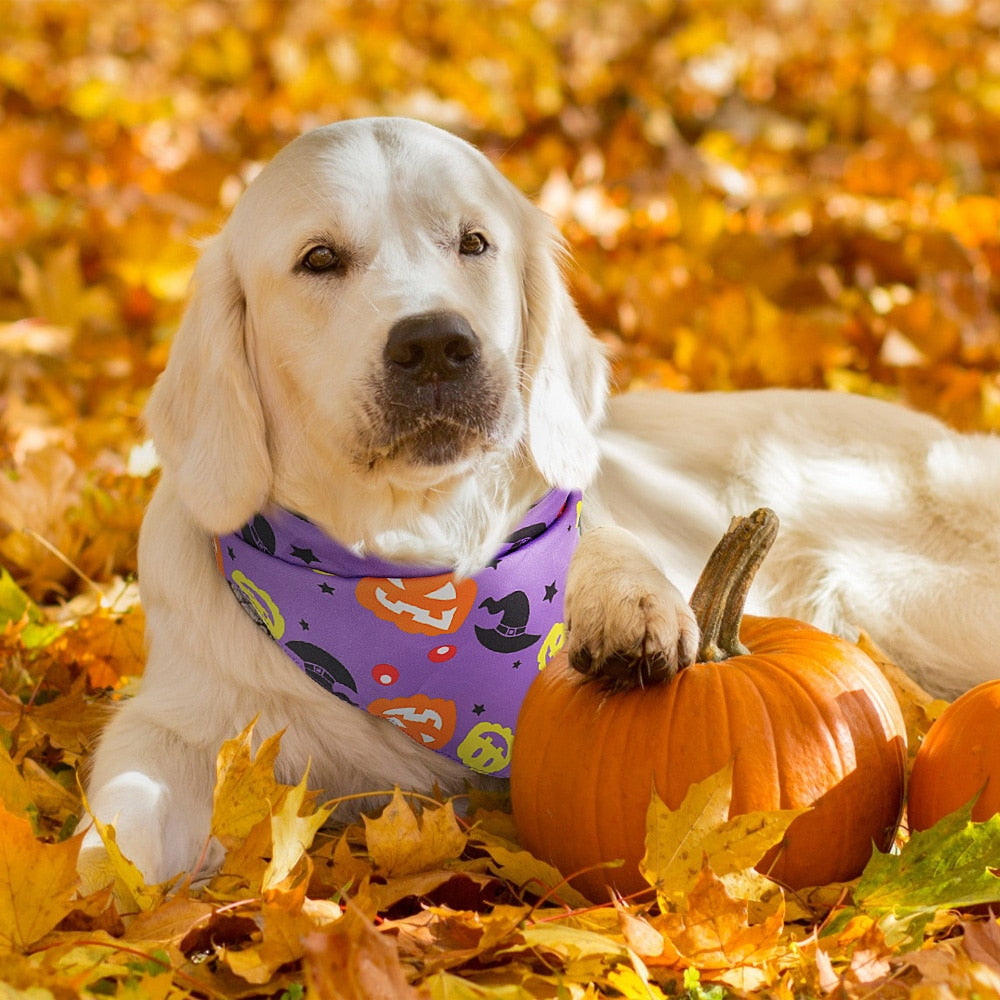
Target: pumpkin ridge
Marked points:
758	736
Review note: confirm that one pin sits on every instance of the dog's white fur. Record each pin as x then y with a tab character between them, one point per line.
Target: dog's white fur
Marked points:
275	393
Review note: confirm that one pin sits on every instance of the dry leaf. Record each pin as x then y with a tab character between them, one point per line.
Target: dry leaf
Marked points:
38	882
291	834
713	934
245	788
353	961
802	195
680	842
402	843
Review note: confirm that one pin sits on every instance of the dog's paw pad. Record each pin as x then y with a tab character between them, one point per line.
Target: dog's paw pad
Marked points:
636	643
625	669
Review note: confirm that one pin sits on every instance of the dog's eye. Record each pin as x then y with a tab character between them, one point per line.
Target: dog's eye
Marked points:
321	258
472	244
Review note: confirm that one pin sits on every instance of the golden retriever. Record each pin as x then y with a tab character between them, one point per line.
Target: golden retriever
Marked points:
379	341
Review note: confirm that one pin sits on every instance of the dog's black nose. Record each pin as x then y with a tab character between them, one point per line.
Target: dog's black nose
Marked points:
432	347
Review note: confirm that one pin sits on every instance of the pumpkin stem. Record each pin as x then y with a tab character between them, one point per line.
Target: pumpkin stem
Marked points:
722	588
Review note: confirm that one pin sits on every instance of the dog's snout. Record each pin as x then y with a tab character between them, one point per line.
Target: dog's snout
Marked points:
437	346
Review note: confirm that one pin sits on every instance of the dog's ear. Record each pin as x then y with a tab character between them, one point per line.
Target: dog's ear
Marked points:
566	371
204	413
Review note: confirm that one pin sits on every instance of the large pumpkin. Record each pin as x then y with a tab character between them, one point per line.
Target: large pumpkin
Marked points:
806	718
959	760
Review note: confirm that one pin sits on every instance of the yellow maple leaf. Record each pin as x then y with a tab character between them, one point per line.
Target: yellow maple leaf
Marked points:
246	861
401	843
132	893
291	834
523	869
38	882
447	939
245	787
169	923
918	707
52	799
679	841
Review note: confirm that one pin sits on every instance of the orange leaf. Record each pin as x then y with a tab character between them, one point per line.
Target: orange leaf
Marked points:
353	961
714	934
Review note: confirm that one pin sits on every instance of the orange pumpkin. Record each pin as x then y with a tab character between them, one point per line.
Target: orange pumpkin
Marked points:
959	760
806	718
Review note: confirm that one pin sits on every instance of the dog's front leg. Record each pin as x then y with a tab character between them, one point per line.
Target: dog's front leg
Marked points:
627	624
155	789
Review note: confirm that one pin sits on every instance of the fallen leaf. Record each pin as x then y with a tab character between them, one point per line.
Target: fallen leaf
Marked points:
918	707
245	787
282	941
713	933
402	843
353	961
526	872
981	940
679	842
38	882
14	793
131	890
171	922
951	865
291	834
336	867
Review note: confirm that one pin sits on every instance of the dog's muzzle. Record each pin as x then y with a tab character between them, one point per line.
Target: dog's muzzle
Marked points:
436	399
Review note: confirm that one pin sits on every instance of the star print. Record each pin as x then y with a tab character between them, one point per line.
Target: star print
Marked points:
304	625
326	588
232	554
550	591
479	709
306	555
517	663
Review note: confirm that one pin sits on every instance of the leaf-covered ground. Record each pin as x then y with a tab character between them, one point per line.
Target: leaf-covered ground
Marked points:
774	192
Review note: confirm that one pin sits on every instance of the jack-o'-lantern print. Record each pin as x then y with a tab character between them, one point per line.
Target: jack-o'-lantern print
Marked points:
444	659
428	721
434	605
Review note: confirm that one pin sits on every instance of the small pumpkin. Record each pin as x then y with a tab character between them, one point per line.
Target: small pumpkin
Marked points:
959	760
806	718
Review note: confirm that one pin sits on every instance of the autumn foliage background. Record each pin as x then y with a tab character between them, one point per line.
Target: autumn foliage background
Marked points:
770	192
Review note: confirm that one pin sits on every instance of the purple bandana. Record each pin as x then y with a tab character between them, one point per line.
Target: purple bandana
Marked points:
447	660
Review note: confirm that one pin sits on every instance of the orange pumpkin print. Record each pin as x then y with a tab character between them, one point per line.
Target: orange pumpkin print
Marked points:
431	605
428	721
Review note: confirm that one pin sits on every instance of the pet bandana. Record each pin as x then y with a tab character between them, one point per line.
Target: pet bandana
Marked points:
446	659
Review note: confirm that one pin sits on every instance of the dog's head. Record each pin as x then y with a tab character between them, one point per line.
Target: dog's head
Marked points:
382	307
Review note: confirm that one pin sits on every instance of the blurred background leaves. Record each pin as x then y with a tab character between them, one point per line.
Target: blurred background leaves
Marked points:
768	192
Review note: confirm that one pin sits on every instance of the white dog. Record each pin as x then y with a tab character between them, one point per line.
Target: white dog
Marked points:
380	351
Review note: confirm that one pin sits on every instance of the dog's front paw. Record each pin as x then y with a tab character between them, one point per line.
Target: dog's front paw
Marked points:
627	625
